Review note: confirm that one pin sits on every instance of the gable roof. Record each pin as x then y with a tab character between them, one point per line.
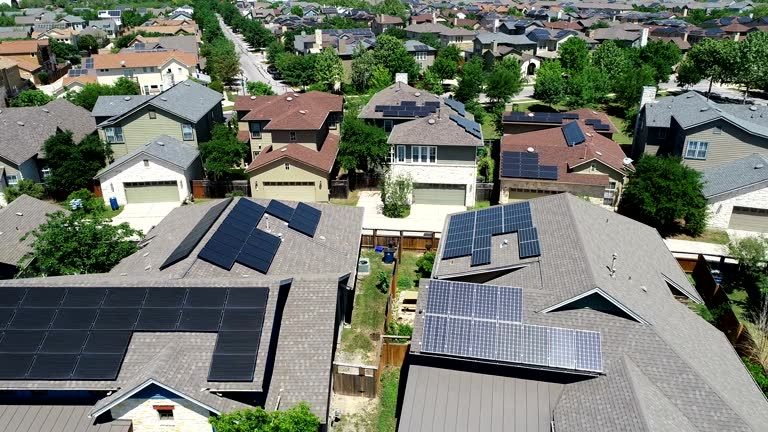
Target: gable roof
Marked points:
33	213
143	59
163	147
400	92
322	160
24	130
21	46
433	130
735	176
306	111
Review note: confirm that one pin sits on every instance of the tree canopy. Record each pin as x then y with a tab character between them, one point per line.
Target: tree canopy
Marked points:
505	81
258	88
471	81
574	55
550	85
29	98
73	165
297	419
89	94
362	146
223	152
667	195
24	187
328	68
661	56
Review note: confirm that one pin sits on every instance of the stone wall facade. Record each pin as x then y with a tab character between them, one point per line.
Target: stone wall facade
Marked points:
442	174
720	211
187	417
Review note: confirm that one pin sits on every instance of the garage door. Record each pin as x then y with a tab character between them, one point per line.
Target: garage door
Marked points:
292	191
424	193
149	192
749	219
516	196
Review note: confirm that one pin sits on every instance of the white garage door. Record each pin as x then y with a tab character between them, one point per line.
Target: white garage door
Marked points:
427	193
749	219
150	192
292	191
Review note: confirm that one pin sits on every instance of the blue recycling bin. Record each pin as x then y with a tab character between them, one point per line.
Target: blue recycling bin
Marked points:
113	203
389	255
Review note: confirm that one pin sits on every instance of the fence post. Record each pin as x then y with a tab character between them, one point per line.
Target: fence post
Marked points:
374	238
400	247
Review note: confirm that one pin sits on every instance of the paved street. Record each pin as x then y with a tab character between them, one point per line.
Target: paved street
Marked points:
734	93
253	65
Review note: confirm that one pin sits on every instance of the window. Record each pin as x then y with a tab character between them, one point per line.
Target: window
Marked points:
146	163
46	172
255	130
387	126
401	153
610	193
146	69
146	90
424	154
696	150
256	153
421	56
717	130
114	135
152	113
11	179
128	73
333	121
187	132
287	166
292	136
165	414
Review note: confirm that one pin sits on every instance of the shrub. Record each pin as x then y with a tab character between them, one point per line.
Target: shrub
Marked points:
44	78
396	329
234	193
382	281
91	203
24	187
216	86
395	195
424	264
404	282
758	373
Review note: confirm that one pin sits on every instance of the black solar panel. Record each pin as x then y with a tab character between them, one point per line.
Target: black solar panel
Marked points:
197	319
571	116
602	127
247	298
97	367
206	298
220	254
305	219
592	121
125	297
165	297
5	316
116	319
455	105
471	127
259	251
232	367
242	319
10	297
44	297
52	366
573	134
158	319
18	341
32	319
107	342
74	319
196	234
64	341
237	342
280	210
15	366
84	297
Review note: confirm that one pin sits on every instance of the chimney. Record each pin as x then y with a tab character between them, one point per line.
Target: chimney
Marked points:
381	18
648	96
401	78
318	39
342	46
685	36
495	25
644	37
434	17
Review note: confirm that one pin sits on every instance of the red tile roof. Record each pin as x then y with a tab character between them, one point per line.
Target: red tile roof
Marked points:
552	149
306	111
322	159
563	25
735	28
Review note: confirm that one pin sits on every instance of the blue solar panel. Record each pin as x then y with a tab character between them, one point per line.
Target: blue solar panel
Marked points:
573	134
88	62
455	105
305	219
468	125
526	165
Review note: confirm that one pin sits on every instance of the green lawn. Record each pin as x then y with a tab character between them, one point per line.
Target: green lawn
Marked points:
709	236
109	214
481	204
390	383
489	130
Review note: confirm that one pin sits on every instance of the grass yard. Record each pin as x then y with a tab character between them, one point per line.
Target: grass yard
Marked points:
109	213
351	200
390	383
481	204
709	236
489	130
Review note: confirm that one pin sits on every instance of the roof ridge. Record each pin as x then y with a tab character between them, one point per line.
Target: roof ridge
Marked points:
580	240
626	363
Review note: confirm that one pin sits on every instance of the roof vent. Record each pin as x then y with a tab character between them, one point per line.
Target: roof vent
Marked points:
284	149
302	111
20	123
431	121
19	214
626	161
127	98
45	110
289	98
753	108
160	143
417	94
598	153
704	109
531	150
530	114
163	98
186	83
253	97
295	95
122	63
759	166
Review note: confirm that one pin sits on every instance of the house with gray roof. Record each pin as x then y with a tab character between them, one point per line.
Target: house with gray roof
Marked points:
458	36
737	194
23	132
568	320
18	218
704	133
254	334
187	112
421	52
160	171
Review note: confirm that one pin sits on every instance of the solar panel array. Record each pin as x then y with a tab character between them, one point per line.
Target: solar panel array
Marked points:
526	165
88	62
597	124
468	125
408	109
573	134
280	210
77	72
198	232
469	233
84	333
238	240
485	322
547	118
456	105
305	219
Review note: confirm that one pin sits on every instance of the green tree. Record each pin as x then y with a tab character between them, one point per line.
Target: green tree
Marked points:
88	43
574	55
273	50
715	60
432	82
431	40
91	203
391	7
328	68
452	53
688	73
89	94
258	88
550	84
661	56
751	254
363	64
297	419
380	78
64	51
223	63
297	69
587	87
297	10
397	32
612	59
444	68
362	146
29	98
629	86
471	81
223	152
24	187
752	61
77	244
391	54
661	192
395	195
72	164
505	81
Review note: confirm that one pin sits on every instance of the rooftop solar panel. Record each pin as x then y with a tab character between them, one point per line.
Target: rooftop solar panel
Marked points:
237	342
602	127
203	320
52	366
116	319
305	219
165	297
242	319
197	233
44	297
97	367
18	341
573	134
84	297
32	319
125	297
5	316
232	367
107	342
10	297
74	319
571	116
15	366
158	319
247	298
64	341
456	105
280	210
206	298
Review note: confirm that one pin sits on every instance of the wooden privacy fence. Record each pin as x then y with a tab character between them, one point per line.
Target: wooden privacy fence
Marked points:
365	380
339	189
483	191
219	189
407	240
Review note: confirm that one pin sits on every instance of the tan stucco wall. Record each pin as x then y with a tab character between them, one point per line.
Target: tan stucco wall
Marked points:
187	417
298	172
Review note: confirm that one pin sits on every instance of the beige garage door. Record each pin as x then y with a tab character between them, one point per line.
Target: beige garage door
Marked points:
427	193
517	196
749	219
150	192
292	191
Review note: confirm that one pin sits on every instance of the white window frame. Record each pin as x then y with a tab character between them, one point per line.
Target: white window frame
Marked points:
292	136
610	192
46	171
12	179
421	56
388	125
255	129
401	154
114	135
424	155
191	132
696	150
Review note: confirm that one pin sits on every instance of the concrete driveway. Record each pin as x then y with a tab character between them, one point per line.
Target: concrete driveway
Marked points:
143	216
423	217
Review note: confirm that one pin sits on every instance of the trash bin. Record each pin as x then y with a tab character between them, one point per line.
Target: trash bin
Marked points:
113	203
389	255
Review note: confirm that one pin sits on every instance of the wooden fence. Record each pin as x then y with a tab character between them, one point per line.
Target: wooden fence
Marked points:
339	189
483	191
219	189
365	380
407	240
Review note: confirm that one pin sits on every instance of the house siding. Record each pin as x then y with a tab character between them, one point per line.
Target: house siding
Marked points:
135	171
139	129
298	172
594	193
731	144
448	155
187	416
307	138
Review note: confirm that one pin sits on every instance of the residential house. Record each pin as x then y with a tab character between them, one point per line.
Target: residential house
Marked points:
460	37
548	42
152	71
185	44
432	139
10	79
73	22
23	132
32	19
421	52
17	219
495	46
160	171
704	133
111	28
270	344
383	22
186	112
737	194
631	35
169	29
582	306
65	35
33	57
344	41
293	141
556	153
115	15
75	80
184	12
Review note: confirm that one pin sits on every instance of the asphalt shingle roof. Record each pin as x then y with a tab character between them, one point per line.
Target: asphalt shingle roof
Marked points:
433	130
163	147
739	174
18	218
